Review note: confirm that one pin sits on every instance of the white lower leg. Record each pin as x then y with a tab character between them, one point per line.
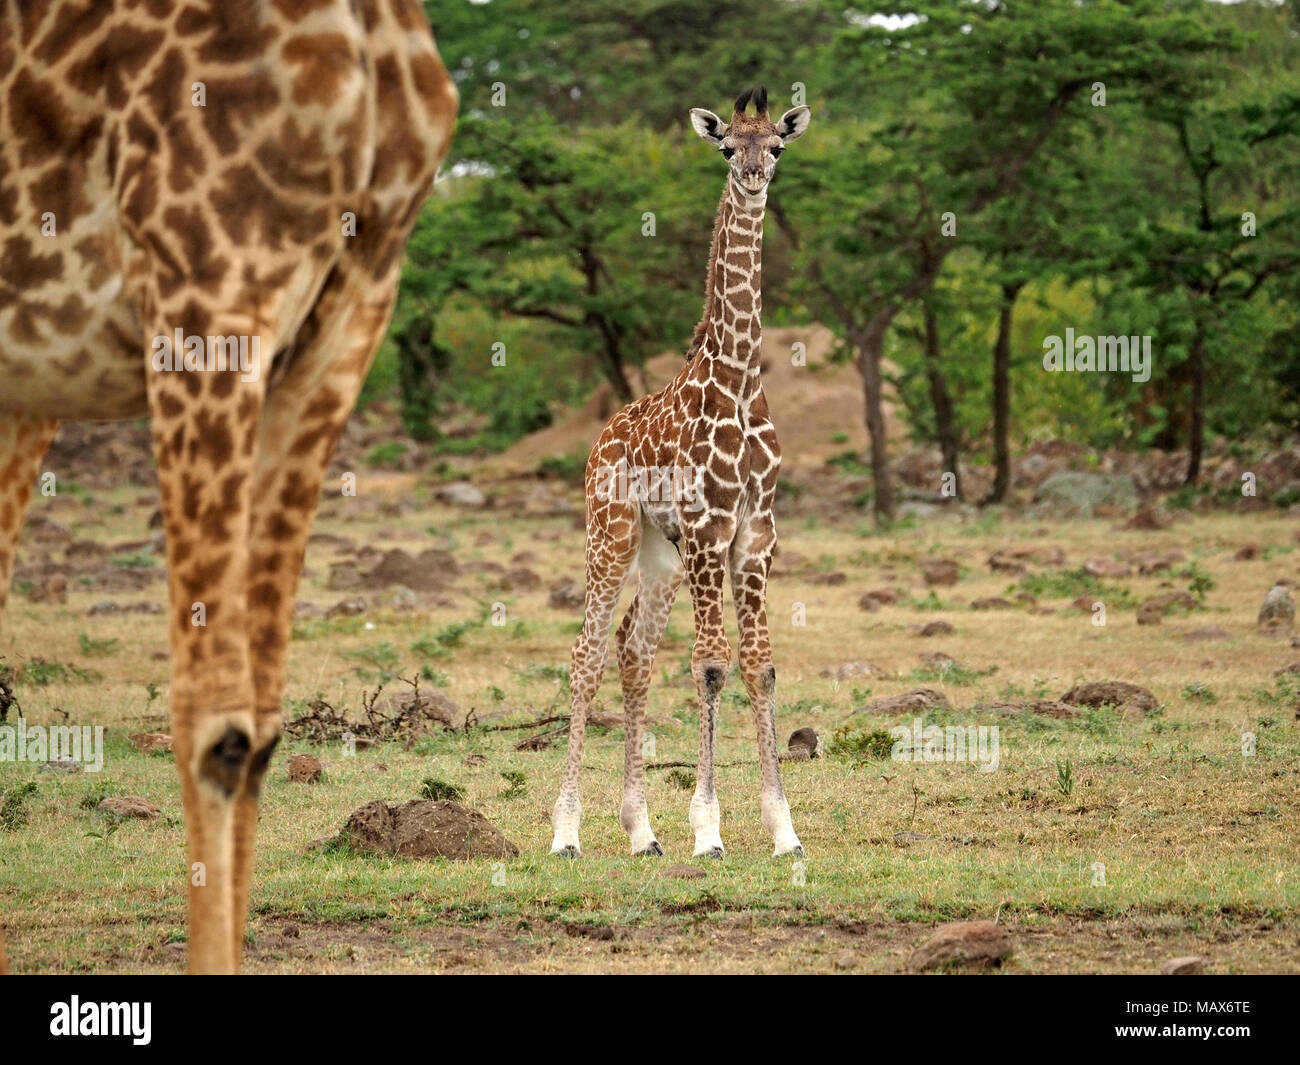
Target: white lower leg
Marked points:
566	817
706	823
776	819
635	819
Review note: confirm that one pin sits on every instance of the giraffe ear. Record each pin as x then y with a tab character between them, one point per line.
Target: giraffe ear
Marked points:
791	125
708	125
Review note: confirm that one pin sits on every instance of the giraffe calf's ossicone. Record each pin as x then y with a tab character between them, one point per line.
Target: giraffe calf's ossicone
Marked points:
708	428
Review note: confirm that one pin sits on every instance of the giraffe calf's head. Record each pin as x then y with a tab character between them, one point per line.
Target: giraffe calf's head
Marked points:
751	144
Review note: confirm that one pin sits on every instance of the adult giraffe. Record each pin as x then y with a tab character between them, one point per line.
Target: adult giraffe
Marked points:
221	170
703	456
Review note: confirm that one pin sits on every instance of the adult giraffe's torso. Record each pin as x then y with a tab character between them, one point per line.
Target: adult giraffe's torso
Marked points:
161	146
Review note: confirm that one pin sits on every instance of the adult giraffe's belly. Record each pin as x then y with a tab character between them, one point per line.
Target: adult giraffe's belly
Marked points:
70	346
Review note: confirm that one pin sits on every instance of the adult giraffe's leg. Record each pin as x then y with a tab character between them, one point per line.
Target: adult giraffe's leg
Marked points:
304	415
706	566
612	539
751	557
637	641
23	440
205	426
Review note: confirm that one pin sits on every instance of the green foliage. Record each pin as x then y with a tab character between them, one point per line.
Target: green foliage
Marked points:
13	805
439	790
858	741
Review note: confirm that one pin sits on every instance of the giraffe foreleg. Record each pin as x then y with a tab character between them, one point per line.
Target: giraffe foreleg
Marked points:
612	536
710	661
204	424
637	641
751	558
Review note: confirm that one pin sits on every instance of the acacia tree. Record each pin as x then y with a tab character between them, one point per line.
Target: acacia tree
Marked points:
970	94
585	233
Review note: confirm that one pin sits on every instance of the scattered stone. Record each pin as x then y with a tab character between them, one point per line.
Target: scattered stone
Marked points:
343	575
1206	634
53	589
519	579
1052	708
940	572
107	608
938	660
869	603
971	944
1246	552
1018	558
1190	965
993	603
428	571
908	702
290	931
1107	568
1084	603
1169	602
148	742
460	494
854	671
805	739
566	595
684	872
1117	693
1294	667
1150	562
1077	492
938	628
404	599
424	829
1277	612
884	596
1149	518
1150	614
305	769
124	806
347	608
304	608
61	765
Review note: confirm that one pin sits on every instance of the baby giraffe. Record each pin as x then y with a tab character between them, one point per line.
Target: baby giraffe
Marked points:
681	483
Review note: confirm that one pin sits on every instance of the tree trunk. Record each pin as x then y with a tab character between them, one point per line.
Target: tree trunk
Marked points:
941	400
1002	397
870	351
1196	433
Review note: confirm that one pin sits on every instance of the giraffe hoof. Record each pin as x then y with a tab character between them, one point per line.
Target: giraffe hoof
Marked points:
652	851
712	852
567	852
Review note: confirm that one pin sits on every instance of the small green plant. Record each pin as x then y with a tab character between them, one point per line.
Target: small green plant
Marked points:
136	560
388	454
1064	777
97	794
41	672
13	807
516	784
439	790
861	743
1199	692
682	778
96	647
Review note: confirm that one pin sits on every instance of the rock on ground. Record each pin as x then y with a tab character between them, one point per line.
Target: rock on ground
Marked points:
1191	965
1074	493
305	769
151	741
1277	612
129	806
806	739
1116	693
908	702
424	829
973	944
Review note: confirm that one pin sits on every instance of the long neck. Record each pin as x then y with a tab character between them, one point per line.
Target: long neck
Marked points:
731	330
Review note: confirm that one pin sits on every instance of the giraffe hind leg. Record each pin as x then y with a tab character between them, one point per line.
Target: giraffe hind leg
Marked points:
638	639
23	441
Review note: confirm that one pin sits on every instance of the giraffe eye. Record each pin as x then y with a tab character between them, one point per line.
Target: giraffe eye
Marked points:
727	153
776	152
